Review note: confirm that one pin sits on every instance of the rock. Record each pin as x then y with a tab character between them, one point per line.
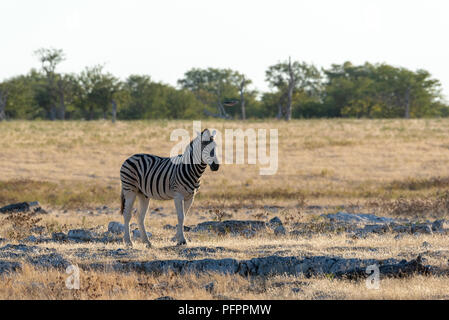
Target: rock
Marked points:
52	260
31	239
279	231
136	234
297	290
18	250
401	269
422	228
248	234
375	228
274	223
273	265
80	235
9	266
230	226
116	227
109	237
22	207
361	218
221	266
440	225
399	228
59	236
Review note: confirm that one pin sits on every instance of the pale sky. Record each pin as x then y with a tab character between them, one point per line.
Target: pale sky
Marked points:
165	38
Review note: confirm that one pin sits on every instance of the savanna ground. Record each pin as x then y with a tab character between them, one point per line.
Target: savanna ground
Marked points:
387	167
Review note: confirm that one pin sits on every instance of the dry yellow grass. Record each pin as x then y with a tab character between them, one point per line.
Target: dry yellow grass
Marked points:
328	161
37	284
73	167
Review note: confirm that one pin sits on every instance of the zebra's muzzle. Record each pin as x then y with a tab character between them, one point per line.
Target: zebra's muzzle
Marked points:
214	166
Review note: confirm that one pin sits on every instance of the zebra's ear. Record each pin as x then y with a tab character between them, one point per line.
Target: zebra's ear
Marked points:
198	134
213	133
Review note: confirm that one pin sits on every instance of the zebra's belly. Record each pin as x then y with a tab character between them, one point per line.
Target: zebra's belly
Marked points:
167	196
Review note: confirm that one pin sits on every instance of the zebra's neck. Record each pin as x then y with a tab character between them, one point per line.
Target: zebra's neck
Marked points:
193	161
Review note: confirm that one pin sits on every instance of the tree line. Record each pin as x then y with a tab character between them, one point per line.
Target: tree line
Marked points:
299	90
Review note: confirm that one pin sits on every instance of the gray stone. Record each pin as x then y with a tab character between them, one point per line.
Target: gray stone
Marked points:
230	226
116	227
422	228
375	228
361	218
248	234
272	265
80	235
31	239
440	225
59	236
274	223
9	266
279	231
22	248
136	234
52	260
399	228
222	266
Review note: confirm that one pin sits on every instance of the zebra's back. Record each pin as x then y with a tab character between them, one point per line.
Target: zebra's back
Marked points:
148	174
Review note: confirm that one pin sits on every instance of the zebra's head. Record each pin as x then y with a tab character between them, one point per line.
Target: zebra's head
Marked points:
208	145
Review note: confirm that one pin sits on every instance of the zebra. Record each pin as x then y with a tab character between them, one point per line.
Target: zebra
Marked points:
146	176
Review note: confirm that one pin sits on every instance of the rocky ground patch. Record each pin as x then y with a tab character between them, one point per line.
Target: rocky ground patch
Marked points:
90	248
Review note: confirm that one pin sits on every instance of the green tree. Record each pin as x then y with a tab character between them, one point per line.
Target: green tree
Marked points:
50	58
213	87
288	78
381	91
95	92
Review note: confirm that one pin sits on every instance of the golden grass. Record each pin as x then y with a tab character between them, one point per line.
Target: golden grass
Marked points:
38	284
76	164
386	166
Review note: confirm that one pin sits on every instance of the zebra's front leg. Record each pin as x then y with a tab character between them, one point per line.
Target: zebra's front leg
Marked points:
179	205
143	204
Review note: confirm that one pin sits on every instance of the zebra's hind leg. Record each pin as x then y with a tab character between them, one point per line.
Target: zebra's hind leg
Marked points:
187	205
143	204
128	202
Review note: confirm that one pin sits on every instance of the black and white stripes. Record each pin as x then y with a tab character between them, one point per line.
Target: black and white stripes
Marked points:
148	176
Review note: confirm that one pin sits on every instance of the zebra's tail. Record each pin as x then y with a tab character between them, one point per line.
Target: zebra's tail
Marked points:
122	202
